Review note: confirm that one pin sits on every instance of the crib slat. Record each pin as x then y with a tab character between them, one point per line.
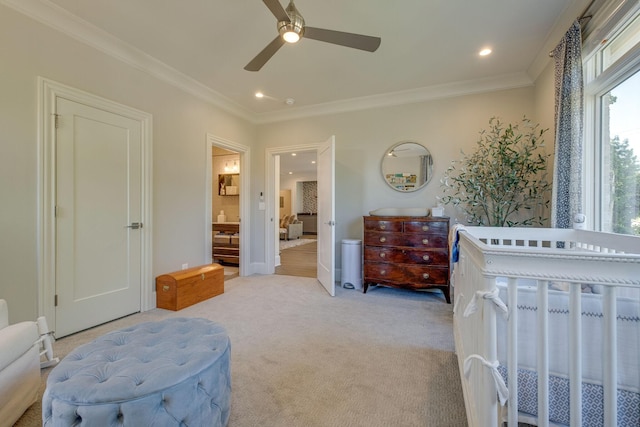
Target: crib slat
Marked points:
610	359
512	355
575	354
543	353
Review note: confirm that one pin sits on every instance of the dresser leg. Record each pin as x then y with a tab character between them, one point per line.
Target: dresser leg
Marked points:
445	291
365	287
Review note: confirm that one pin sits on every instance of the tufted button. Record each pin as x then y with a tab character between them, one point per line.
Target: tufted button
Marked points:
112	357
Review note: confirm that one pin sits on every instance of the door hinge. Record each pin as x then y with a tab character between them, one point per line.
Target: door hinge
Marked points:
55	300
56	121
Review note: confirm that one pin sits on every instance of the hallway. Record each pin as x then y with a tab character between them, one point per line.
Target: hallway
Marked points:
301	261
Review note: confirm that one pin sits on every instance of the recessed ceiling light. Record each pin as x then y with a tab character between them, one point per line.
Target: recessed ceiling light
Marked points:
313	162
484	52
294	154
290	173
259	95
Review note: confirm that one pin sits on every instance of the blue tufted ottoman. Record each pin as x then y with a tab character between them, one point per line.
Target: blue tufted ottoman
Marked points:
174	372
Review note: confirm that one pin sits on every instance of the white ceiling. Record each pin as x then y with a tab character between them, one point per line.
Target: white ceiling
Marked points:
298	163
426	46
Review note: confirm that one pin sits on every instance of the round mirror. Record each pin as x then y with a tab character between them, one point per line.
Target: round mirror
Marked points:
407	166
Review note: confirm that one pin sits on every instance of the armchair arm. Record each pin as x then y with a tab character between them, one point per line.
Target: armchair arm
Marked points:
294	230
15	340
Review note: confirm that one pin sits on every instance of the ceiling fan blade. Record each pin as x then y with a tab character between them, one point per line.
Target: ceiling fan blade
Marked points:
278	11
266	54
356	41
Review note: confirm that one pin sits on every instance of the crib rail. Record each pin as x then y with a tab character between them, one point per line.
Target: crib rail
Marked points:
545	257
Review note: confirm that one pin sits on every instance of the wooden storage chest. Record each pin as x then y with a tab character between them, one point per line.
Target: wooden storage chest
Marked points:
407	252
180	289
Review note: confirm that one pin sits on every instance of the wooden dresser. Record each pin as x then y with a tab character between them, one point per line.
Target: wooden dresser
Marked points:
407	252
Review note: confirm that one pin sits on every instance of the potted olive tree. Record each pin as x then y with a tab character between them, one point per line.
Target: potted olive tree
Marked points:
503	183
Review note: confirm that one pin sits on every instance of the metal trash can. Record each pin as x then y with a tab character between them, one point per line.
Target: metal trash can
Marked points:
351	264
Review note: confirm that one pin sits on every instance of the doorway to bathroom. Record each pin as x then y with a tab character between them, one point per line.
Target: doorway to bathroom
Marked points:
227	192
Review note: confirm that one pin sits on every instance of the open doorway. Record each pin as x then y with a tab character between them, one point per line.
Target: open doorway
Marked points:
325	152
298	214
226	206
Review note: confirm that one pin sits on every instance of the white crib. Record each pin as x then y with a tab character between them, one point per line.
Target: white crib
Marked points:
570	353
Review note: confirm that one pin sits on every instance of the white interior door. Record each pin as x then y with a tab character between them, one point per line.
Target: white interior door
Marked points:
326	215
98	206
276	218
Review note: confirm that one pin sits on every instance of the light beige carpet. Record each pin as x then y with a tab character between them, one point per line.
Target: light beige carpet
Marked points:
302	358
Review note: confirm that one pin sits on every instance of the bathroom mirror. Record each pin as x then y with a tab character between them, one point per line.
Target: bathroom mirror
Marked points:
407	166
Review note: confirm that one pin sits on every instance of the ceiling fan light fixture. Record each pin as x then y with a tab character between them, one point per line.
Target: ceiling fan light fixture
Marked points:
291	37
291	31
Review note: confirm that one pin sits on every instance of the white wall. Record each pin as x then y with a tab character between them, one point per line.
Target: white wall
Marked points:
444	126
180	124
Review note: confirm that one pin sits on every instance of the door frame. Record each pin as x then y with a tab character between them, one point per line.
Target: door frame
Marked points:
272	217
245	179
48	92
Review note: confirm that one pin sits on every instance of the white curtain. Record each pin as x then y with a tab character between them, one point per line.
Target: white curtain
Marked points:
567	182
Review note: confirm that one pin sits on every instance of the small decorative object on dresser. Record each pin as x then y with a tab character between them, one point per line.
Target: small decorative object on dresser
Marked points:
410	252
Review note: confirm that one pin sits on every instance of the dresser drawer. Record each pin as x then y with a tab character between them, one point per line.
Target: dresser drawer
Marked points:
416	240
409	256
431	227
418	276
382	225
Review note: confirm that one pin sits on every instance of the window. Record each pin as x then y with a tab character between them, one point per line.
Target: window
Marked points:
620	158
613	131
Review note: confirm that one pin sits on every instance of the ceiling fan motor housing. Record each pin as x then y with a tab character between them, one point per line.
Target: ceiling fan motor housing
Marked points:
296	23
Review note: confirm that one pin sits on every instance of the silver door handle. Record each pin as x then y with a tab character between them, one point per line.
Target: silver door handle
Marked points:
134	225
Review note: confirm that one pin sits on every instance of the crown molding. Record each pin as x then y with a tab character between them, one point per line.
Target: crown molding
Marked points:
449	90
560	27
61	20
50	14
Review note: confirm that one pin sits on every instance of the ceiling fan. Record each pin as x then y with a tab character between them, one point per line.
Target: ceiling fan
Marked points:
291	28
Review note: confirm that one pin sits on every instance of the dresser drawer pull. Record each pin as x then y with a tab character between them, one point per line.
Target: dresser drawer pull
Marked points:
383	227
425	257
383	239
425	228
425	241
383	272
382	255
425	275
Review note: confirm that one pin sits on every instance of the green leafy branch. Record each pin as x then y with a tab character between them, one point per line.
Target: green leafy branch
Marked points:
504	182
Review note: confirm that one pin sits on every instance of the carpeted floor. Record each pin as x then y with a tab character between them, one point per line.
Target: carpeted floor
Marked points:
302	358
